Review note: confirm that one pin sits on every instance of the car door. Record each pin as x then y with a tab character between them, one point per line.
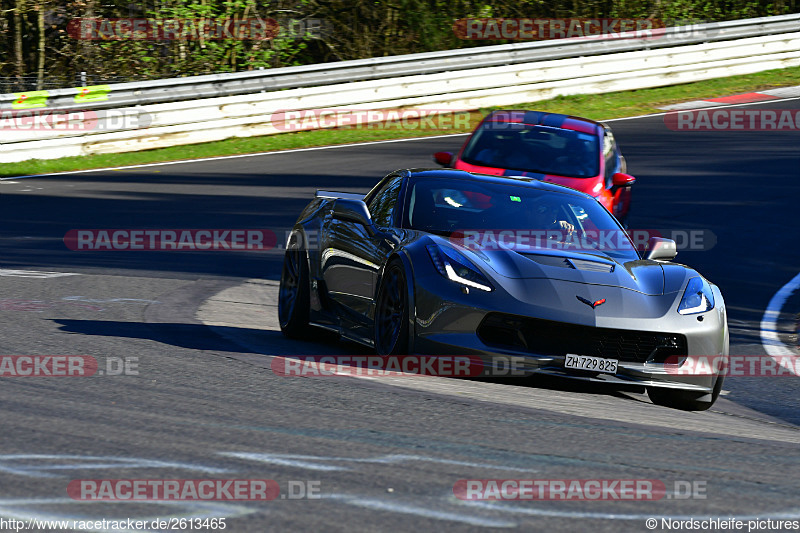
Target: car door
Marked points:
353	254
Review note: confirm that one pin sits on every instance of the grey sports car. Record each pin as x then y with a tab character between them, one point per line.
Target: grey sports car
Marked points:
446	262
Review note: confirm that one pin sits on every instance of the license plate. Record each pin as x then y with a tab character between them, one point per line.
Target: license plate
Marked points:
592	364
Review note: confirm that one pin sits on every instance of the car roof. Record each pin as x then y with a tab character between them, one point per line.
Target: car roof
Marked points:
542	118
523	181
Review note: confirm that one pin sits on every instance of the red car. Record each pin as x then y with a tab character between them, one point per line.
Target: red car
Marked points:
571	151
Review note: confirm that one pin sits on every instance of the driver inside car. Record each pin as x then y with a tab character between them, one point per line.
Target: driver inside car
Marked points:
546	217
578	159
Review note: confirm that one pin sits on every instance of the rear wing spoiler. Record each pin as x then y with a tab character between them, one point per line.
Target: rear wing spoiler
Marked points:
334	195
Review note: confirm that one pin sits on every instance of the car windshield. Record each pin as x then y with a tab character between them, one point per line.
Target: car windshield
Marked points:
541	149
502	215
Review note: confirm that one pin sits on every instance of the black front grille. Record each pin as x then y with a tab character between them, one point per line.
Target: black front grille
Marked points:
546	337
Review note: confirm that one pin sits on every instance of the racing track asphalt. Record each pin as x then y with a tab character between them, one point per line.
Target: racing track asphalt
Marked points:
386	457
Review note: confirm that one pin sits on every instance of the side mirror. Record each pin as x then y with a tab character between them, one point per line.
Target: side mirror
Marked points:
622	180
661	249
443	158
352	211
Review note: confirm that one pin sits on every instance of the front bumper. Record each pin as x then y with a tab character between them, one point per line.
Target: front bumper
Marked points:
448	319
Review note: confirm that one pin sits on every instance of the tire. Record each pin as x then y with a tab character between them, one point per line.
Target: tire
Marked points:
686	400
391	312
293	297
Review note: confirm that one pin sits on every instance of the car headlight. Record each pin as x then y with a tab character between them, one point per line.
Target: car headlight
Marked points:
458	268
697	298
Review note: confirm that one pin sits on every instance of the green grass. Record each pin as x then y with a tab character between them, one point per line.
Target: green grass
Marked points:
596	106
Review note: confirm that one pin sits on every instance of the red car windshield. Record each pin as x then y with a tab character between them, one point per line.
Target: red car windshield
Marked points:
541	149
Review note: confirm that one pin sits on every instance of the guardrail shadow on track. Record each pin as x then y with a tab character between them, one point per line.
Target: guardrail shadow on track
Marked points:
36	223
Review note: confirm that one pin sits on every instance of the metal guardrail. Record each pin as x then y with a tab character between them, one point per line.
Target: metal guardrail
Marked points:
215	85
198	120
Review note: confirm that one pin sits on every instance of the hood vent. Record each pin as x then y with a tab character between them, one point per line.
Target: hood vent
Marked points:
570	262
591	266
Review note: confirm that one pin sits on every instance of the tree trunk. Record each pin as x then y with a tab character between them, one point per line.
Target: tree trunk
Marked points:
40	20
86	58
20	60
